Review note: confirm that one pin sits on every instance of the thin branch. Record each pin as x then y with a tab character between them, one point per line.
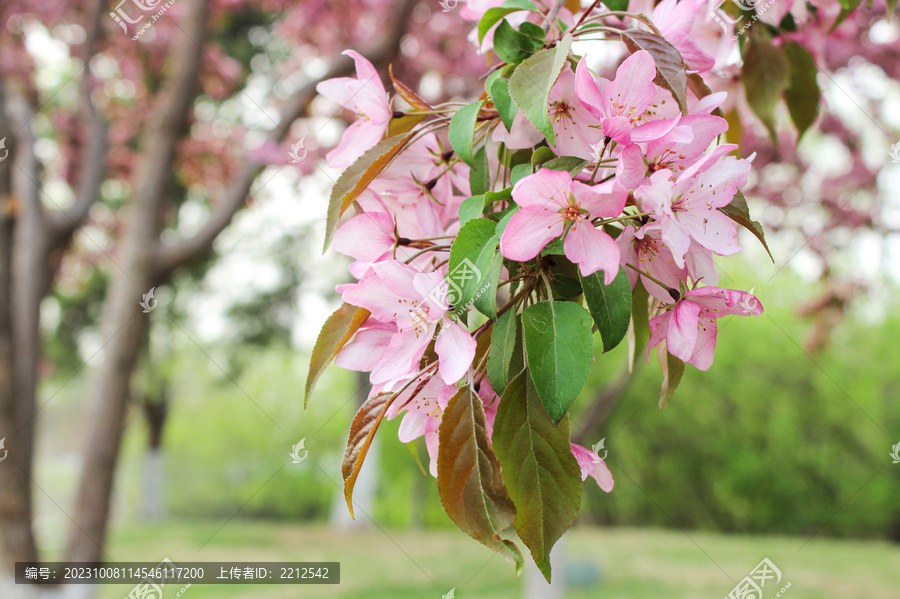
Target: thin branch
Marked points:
168	121
600	408
171	257
93	165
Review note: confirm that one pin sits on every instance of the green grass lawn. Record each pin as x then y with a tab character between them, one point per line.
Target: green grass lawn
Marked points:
615	563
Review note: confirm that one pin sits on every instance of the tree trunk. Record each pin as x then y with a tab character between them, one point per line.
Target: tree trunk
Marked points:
153	505
536	586
123	326
16	538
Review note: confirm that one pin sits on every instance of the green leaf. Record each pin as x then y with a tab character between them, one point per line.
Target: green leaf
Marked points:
640	323
847	8
505	218
765	75
572	164
471	208
738	211
471	263
671	72
503	102
802	95
617	5
492	197
530	84
479	175
469	480
519	172
462	132
540	156
533	30
512	46
891	6
354	180
610	306
336	332
559	352
503	344
541	474
492	15
486	297
672	372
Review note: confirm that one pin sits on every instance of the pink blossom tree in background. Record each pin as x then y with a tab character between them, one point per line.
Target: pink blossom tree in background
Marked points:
132	131
585	162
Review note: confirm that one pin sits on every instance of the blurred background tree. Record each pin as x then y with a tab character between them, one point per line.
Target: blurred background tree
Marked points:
163	163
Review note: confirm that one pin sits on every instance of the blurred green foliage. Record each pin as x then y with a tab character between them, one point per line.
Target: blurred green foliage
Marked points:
770	440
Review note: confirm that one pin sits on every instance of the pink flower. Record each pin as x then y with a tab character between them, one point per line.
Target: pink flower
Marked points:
552	204
365	95
570	120
674	20
368	238
423	415
689	328
591	465
410	301
686	207
675	151
631	109
643	249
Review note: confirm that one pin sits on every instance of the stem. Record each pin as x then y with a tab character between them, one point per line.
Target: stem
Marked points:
586	13
551	16
625	217
414	379
676	295
431	249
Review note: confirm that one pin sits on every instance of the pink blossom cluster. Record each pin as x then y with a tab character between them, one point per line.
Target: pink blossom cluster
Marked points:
646	199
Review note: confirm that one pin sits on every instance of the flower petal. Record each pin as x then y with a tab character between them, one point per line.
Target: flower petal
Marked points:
528	231
456	349
681	337
592	250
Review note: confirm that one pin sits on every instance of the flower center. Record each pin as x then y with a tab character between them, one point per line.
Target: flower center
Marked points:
561	110
646	249
572	213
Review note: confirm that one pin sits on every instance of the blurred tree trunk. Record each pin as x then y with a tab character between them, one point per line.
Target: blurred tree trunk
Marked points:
536	586
16	537
147	262
156	410
123	325
33	240
600	409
